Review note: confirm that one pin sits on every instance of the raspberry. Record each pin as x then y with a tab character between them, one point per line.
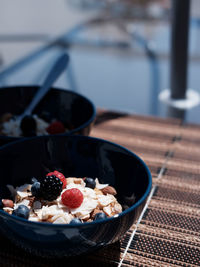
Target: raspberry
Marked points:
72	198
60	176
56	127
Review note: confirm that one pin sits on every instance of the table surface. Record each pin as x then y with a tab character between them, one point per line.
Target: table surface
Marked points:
168	230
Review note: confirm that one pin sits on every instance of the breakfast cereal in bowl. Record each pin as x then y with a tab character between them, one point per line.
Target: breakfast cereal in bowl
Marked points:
30	125
59	200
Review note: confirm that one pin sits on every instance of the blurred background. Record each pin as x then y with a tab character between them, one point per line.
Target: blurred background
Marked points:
119	49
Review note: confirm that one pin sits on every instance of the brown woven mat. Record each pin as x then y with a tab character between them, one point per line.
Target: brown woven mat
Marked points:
168	231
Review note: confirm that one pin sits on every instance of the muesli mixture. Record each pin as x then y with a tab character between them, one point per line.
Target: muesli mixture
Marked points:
29	126
59	200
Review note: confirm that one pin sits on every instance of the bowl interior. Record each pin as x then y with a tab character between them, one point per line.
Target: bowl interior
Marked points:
72	109
76	156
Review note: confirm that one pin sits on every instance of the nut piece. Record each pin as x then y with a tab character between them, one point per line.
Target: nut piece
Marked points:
109	190
8	203
78	180
8	210
74	180
95	211
31	200
86	217
118	208
107	210
98	192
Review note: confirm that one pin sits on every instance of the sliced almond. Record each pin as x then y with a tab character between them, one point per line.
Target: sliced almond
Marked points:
108	210
70	180
117	208
74	180
85	217
105	200
98	192
60	220
78	180
8	210
33	218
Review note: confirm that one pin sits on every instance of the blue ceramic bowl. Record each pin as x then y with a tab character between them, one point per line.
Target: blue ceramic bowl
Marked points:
74	110
76	156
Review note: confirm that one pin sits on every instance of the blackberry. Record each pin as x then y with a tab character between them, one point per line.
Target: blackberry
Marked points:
50	187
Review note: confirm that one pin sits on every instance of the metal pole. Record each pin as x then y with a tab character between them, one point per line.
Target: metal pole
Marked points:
173	112
179	48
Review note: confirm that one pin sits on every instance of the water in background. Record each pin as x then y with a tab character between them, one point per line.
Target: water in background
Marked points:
124	78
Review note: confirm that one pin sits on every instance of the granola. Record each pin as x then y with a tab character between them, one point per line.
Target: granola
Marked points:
89	200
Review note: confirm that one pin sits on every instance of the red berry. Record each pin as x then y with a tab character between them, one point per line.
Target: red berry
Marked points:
60	176
56	127
72	198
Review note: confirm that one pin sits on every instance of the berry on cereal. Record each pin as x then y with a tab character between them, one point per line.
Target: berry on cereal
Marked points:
60	176
75	221
47	201
28	126
56	127
21	211
90	182
100	216
50	187
35	189
33	180
72	198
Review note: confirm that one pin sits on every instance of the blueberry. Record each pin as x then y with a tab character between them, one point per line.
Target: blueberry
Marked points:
28	126
100	216
90	182
21	211
75	221
35	189
33	180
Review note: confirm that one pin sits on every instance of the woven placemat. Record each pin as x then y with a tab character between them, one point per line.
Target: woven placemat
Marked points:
168	230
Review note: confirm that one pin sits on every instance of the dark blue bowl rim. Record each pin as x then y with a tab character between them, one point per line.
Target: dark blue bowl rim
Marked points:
123	213
82	126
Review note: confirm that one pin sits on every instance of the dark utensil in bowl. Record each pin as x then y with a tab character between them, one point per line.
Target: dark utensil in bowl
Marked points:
56	70
75	111
76	156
